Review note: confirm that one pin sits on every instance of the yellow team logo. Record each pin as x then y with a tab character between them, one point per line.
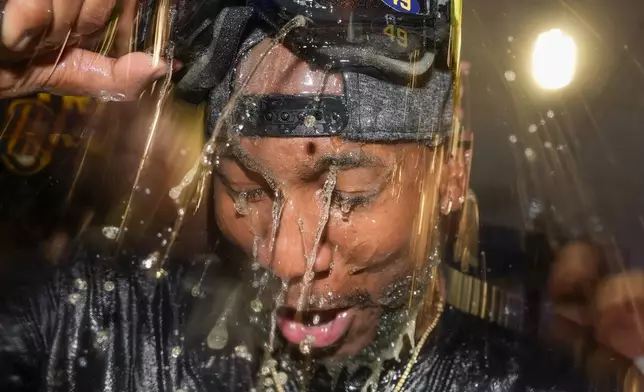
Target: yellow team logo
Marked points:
34	127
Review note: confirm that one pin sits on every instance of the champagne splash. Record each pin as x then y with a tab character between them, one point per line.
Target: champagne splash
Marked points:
161	44
327	193
202	169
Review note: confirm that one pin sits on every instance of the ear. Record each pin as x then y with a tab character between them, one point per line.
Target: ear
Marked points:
456	170
456	174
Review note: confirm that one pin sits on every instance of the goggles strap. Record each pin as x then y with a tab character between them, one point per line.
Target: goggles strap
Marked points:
209	68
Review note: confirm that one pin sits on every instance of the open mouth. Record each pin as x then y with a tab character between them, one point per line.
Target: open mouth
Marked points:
321	327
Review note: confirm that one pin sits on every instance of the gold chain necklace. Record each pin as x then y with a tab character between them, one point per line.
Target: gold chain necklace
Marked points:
419	346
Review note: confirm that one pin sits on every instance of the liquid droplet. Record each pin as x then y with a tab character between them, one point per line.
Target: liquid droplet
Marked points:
176	351
510	76
150	261
110	232
210	362
256	305
106	96
550	113
108	286
175	192
281	378
305	345
101	339
536	208
218	336
241	204
242	352
532	128
512	139
73	298
309	121
80	284
196	291
316	319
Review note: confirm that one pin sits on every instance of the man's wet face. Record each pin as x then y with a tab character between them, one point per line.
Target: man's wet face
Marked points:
332	218
361	260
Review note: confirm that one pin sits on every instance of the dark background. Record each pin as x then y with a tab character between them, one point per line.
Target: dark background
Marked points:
593	182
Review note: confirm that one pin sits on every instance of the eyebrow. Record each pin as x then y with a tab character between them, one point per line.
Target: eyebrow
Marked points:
232	149
342	161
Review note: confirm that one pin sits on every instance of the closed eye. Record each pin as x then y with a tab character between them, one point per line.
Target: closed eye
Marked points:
349	201
248	193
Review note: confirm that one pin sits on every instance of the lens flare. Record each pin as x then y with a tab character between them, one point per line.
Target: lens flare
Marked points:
554	59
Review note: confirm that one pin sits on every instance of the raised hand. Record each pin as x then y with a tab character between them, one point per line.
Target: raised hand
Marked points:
44	46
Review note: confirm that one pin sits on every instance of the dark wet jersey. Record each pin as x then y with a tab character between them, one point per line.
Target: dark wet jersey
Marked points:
93	328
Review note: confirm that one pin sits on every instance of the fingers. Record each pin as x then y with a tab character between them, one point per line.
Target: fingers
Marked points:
65	15
105	77
28	25
24	22
81	72
93	15
125	28
36	29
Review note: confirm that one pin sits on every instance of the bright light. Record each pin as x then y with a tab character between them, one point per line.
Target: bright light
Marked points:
554	59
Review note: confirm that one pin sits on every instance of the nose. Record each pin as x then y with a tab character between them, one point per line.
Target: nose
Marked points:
295	242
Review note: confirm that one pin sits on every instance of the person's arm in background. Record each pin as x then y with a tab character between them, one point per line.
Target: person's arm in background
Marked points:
42	48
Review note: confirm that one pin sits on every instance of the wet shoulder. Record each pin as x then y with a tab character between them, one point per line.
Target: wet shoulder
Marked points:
96	326
469	354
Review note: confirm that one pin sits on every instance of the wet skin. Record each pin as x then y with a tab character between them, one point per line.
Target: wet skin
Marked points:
363	251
